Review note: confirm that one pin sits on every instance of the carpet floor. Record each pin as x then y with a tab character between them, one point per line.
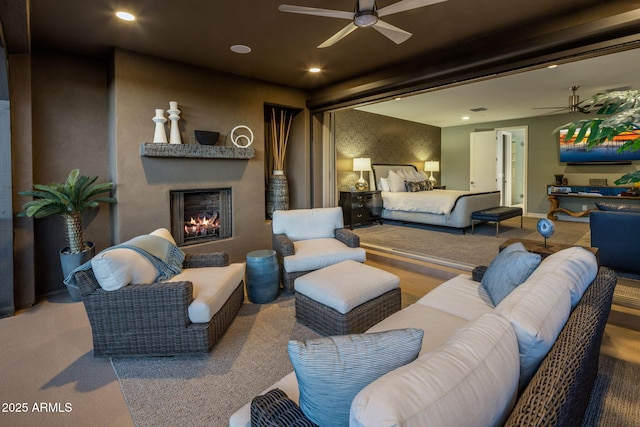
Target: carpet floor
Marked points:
207	390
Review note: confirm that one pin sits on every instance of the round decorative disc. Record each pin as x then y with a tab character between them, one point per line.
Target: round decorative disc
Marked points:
546	227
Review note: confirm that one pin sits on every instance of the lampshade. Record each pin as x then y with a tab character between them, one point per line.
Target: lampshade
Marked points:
361	164
432	166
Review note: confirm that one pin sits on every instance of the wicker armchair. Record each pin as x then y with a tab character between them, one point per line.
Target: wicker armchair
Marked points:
152	319
309	239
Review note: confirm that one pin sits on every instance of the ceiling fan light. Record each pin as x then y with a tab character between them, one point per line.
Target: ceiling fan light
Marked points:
365	18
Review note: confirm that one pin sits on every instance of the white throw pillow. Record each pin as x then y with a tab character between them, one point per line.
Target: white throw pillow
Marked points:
396	182
384	184
164	233
470	381
116	268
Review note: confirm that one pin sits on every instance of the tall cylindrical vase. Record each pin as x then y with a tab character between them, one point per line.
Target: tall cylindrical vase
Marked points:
277	193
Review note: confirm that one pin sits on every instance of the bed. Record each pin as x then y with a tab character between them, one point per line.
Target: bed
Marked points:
449	208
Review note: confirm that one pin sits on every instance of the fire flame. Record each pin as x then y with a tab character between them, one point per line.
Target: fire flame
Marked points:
201	226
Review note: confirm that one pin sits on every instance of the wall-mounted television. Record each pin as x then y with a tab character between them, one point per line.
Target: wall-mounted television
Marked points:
606	154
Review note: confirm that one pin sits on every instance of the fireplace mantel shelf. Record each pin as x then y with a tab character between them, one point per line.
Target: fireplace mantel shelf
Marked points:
192	151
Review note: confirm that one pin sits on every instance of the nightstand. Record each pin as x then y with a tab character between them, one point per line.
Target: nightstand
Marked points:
361	207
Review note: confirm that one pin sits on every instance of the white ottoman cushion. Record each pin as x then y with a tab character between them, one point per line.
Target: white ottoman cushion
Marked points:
212	286
346	285
319	253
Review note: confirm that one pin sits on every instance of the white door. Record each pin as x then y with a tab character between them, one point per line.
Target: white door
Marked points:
483	170
505	167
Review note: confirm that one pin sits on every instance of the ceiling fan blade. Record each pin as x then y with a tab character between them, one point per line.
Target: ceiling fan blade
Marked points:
405	5
316	11
366	5
395	34
339	35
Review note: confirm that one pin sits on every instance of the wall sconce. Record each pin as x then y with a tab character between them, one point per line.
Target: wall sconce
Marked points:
361	164
432	166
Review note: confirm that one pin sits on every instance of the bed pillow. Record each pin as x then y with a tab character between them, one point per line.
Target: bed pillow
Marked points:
332	370
396	182
384	184
414	186
510	268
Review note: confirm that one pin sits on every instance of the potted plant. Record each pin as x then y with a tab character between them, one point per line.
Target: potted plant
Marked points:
622	109
69	199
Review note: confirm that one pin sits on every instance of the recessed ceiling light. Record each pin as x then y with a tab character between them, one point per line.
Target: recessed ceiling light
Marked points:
465	118
240	48
125	16
397	98
552	66
315	69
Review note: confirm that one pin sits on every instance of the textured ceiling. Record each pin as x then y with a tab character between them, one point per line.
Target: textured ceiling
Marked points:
445	35
283	45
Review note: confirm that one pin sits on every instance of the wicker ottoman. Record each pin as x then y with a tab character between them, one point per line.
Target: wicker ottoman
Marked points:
346	298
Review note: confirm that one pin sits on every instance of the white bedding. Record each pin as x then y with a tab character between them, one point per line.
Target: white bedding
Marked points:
440	202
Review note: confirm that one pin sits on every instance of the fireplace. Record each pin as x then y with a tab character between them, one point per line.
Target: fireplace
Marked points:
199	216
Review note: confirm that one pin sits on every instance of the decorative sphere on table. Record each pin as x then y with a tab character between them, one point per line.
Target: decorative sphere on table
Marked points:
546	227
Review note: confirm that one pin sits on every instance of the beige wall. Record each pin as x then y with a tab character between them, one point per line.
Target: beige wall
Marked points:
208	100
94	116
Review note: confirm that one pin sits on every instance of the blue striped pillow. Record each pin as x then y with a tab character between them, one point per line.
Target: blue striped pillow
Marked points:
332	370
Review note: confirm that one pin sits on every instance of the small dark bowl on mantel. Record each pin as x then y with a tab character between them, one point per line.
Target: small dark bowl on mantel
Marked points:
206	137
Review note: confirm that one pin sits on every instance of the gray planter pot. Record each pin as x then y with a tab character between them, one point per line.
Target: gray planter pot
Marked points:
70	262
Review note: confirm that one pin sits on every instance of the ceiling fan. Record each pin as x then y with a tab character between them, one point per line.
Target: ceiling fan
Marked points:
573	107
366	14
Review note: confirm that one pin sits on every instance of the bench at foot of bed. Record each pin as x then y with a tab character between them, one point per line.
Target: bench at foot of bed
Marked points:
496	214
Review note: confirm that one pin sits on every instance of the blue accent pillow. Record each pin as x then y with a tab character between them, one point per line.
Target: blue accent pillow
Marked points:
510	268
332	370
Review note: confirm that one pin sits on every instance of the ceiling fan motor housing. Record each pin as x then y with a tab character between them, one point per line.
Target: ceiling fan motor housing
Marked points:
365	18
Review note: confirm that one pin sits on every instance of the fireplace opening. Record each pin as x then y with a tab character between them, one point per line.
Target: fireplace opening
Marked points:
199	216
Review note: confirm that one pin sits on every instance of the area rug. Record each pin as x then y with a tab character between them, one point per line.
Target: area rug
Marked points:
206	390
627	293
614	403
442	243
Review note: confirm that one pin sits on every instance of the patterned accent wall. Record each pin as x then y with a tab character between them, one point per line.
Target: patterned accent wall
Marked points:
384	140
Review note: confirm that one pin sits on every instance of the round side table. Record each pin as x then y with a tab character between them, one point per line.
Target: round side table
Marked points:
263	276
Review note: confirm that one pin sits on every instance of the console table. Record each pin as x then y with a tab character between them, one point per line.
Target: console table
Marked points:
556	194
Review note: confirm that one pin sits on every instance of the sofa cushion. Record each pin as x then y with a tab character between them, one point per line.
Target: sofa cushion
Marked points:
332	370
212	286
576	267
470	381
441	325
460	296
318	253
538	310
509	268
302	224
619	207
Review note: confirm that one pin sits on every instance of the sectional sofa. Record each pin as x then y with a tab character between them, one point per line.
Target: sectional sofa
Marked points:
527	356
